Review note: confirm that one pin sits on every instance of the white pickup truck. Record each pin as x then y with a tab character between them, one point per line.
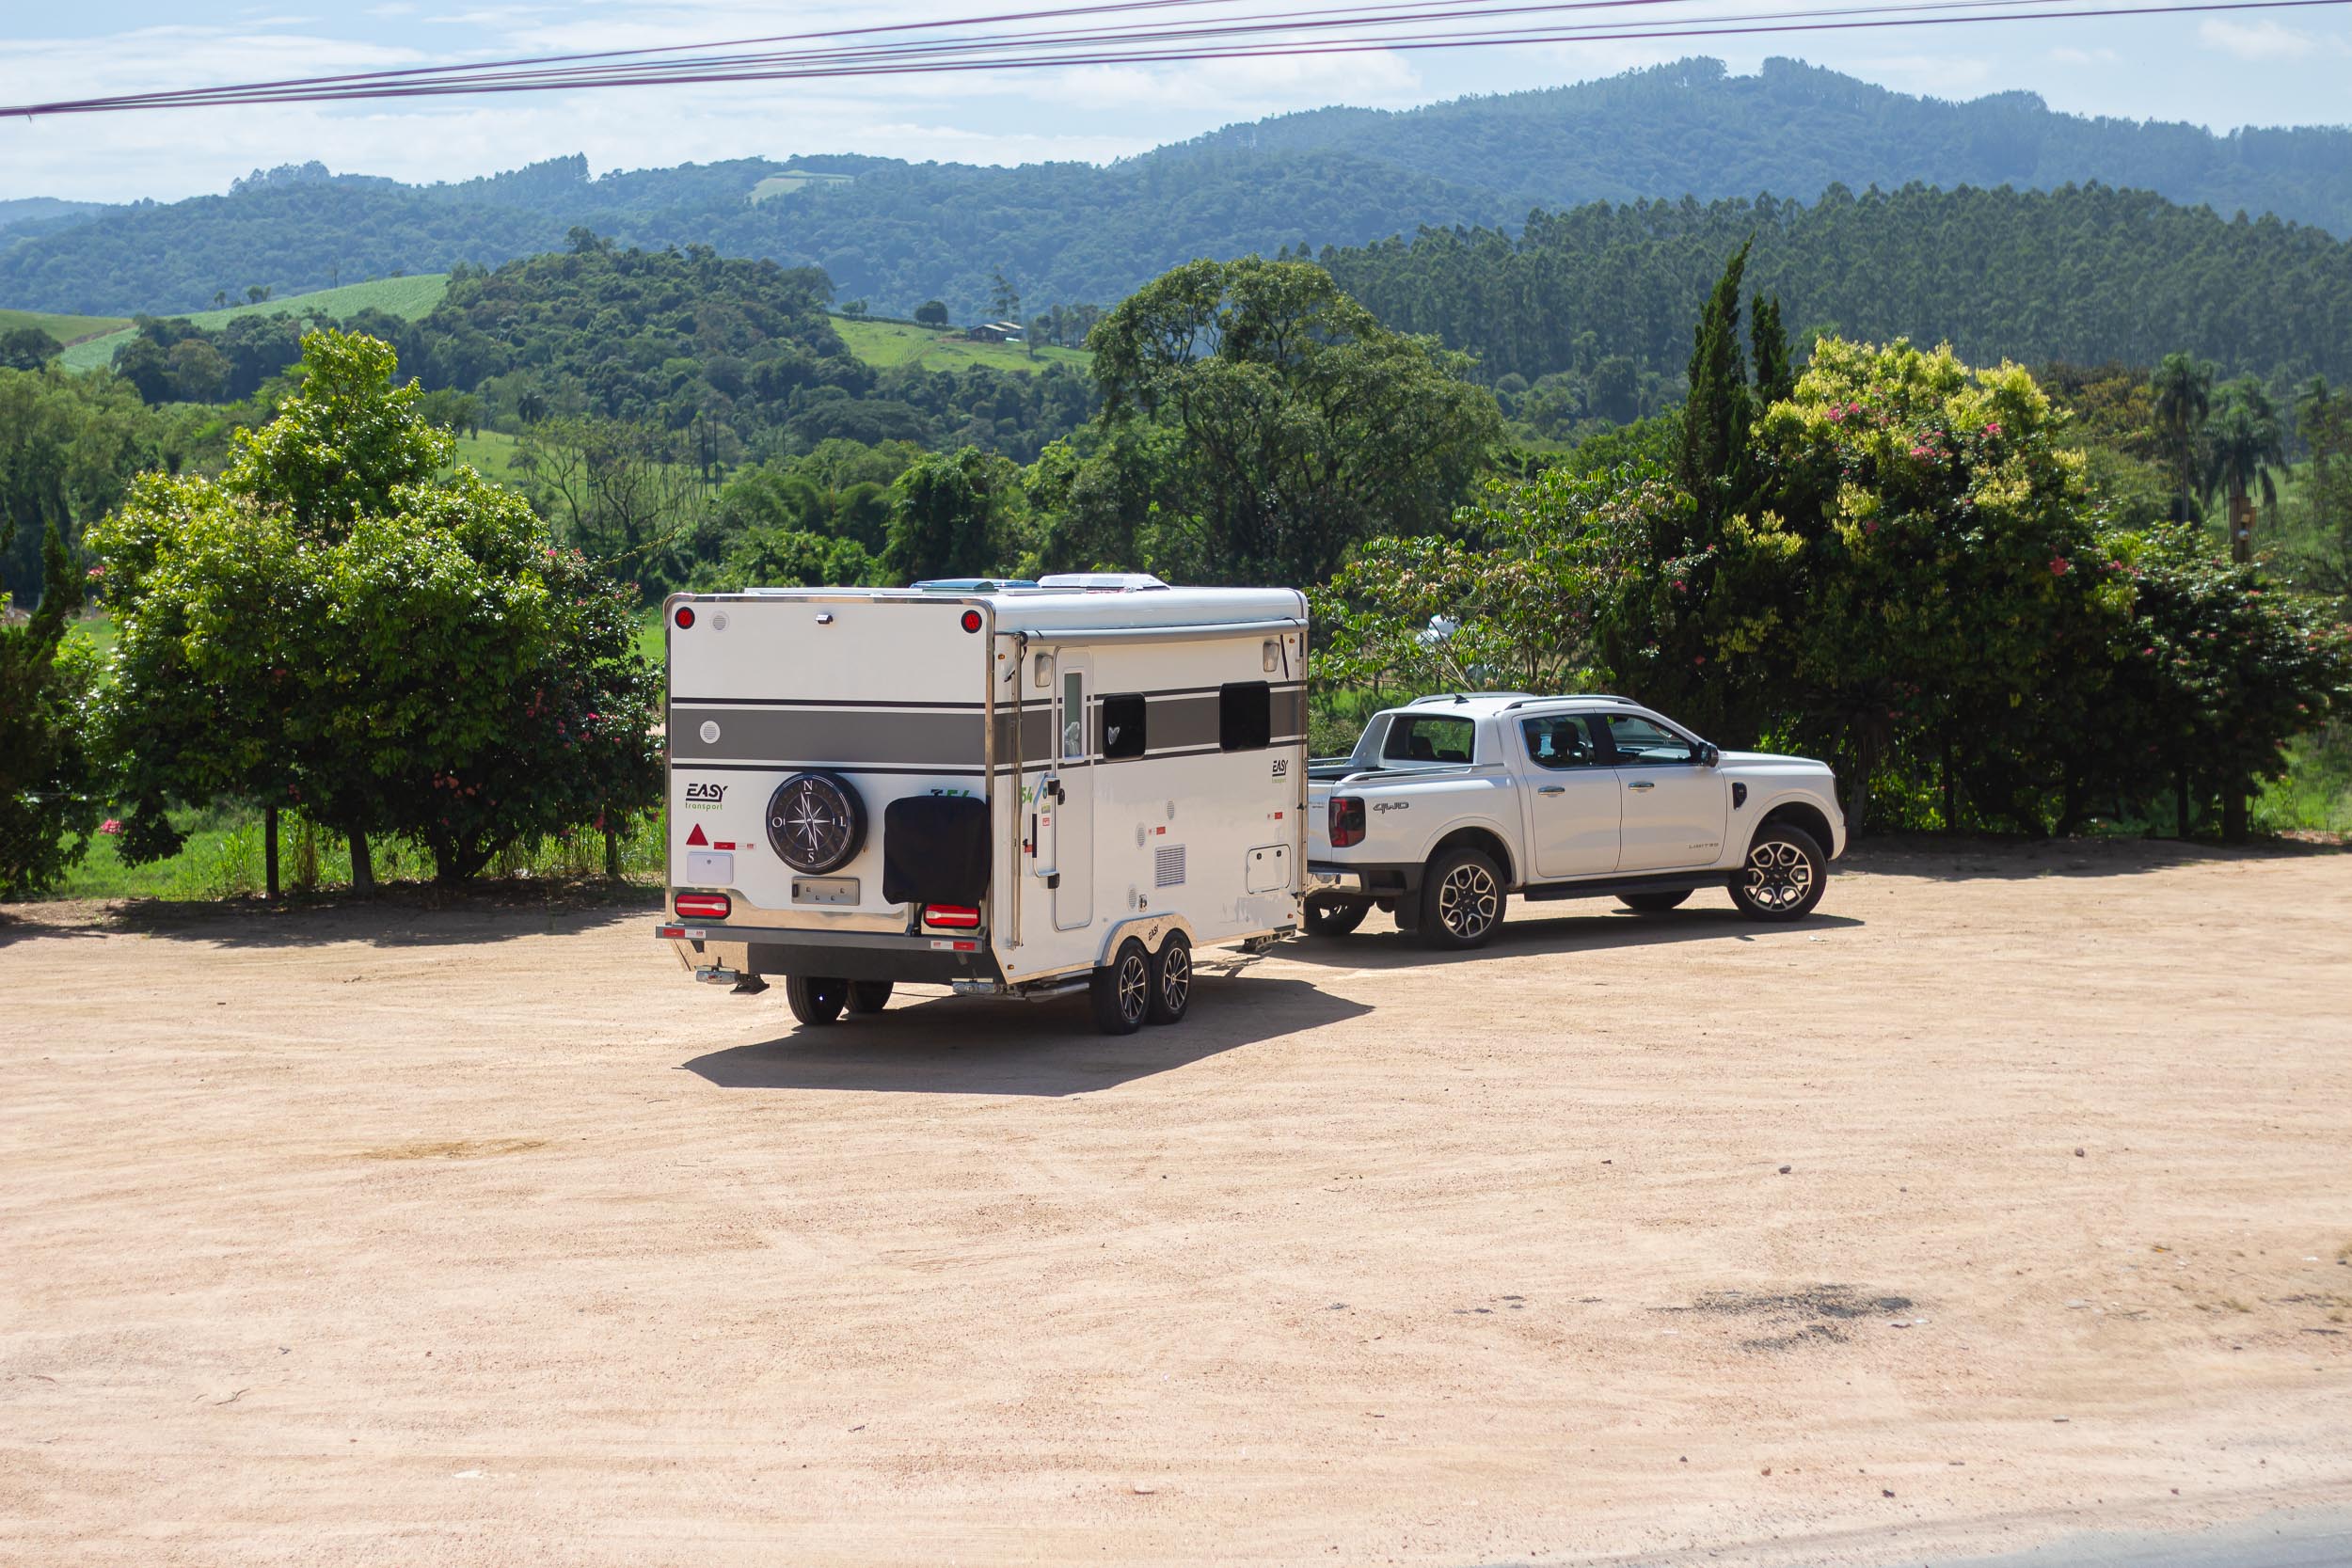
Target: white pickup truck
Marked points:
1450	805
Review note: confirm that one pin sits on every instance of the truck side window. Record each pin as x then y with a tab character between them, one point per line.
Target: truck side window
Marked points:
1427	737
1559	741
1641	742
1122	726
1244	715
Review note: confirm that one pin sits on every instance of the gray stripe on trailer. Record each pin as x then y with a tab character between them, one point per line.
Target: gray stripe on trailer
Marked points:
882	739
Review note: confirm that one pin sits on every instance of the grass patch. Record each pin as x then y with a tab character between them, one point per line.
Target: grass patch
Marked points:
885	345
491	452
2316	794
409	298
223	859
65	330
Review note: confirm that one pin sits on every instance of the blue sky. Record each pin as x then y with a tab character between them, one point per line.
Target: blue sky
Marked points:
2274	68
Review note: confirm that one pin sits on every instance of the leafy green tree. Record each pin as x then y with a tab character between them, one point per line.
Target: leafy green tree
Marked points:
2244	452
2323	419
1304	424
27	348
932	313
1721	408
1512	602
328	624
2183	389
953	516
1775	371
49	801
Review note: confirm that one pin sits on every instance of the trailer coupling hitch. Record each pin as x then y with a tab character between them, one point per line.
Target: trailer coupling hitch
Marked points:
745	985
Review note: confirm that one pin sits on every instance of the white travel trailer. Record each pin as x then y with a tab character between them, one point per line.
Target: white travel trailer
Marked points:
1012	789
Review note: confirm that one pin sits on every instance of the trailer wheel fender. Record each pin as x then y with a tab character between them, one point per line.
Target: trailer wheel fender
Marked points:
1150	929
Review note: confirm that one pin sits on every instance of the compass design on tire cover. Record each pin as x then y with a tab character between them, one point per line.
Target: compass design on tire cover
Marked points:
815	821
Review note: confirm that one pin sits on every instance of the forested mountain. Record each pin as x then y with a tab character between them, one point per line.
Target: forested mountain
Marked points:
1691	128
2086	274
900	233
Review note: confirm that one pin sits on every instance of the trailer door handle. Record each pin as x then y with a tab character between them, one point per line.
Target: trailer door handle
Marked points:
1553	789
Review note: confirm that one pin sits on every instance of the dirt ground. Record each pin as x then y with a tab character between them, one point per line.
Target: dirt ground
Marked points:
2010	1196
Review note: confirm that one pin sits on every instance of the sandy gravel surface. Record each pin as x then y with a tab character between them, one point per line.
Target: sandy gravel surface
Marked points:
484	1237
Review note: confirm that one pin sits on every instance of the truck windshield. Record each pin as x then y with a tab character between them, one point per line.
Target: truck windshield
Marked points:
1427	737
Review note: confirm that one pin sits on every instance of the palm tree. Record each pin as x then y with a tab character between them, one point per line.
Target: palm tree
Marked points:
2183	389
2244	453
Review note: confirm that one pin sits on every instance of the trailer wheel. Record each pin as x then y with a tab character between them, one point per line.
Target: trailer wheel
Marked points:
1171	979
815	1000
1334	918
1123	990
868	996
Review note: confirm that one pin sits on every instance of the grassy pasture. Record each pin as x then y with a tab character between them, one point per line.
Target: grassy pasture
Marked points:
884	344
409	298
65	330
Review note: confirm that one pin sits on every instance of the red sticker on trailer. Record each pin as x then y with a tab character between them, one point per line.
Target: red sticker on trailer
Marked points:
723	843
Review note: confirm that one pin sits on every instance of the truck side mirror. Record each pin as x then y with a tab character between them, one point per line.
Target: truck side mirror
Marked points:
1708	754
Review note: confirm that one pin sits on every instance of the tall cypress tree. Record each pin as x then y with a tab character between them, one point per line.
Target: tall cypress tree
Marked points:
1716	421
1776	373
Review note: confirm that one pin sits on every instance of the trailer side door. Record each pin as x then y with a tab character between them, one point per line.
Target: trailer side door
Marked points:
1074	773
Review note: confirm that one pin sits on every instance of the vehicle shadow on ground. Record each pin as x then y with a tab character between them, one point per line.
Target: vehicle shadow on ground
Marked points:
1960	859
404	918
960	1045
1593	930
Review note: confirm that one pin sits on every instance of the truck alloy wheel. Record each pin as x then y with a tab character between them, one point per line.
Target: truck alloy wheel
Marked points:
1171	979
1784	875
1463	900
1122	990
815	822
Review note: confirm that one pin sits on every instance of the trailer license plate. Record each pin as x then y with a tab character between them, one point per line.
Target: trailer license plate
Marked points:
824	890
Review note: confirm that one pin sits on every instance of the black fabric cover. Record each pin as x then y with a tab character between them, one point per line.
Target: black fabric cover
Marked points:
936	850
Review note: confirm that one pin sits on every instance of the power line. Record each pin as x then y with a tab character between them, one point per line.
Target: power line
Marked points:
1327	31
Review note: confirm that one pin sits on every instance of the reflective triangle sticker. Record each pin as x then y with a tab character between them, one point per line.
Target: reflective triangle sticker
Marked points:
696	836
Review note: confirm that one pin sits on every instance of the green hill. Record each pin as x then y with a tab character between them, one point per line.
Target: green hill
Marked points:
65	330
898	233
409	298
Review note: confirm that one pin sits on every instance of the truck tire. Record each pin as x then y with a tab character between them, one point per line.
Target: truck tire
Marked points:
1784	876
1653	903
1462	899
868	996
815	1000
1171	979
1334	918
1121	989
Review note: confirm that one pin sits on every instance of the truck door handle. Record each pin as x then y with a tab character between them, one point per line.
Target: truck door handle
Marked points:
1640	783
1553	789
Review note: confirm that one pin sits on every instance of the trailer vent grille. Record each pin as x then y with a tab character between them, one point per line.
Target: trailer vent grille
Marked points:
1168	866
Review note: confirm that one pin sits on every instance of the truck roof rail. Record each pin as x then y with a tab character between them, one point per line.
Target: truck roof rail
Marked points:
1459	697
1571	697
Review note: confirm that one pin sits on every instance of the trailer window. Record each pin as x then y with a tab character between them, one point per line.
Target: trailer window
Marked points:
1244	715
1122	726
1073	716
1425	737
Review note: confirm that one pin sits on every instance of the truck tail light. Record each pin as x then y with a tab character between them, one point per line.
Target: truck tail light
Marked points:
953	917
704	905
1348	820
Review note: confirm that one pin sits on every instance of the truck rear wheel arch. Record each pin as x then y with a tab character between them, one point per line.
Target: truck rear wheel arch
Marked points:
1485	841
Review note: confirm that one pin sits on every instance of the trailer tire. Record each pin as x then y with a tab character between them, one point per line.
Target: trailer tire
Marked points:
815	1000
1462	899
1121	989
868	996
1171	979
1335	917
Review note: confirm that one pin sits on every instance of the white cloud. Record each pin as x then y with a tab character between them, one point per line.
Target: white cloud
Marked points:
2262	39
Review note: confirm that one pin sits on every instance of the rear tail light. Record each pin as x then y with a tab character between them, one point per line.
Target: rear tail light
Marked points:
1348	820
953	917
704	905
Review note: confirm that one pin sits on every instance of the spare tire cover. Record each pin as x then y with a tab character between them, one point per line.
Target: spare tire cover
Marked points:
816	821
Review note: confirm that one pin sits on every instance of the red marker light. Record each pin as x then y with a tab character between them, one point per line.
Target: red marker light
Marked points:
971	620
704	905
955	917
684	617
